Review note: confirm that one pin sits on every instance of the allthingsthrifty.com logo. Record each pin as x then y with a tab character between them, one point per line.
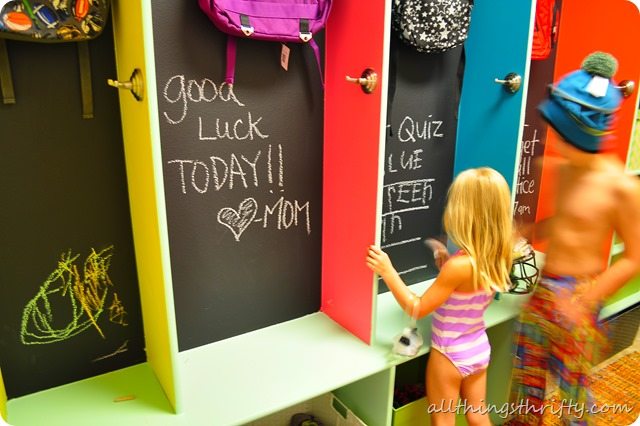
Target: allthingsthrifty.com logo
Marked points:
561	408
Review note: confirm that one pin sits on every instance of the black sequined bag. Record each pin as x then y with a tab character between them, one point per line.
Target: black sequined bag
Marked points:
432	25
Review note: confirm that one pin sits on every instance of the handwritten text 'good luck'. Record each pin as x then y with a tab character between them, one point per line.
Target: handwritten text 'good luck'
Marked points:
257	169
182	92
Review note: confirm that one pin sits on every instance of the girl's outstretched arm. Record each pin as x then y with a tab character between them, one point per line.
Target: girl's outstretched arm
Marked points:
453	273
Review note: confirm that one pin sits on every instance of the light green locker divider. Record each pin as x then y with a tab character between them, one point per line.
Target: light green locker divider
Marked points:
499	372
630	289
371	398
627	296
3	399
134	50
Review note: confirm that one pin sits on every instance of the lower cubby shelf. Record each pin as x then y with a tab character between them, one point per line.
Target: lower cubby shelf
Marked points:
250	377
326	409
232	382
130	396
236	381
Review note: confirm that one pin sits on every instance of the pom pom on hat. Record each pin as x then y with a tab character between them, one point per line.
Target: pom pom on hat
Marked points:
572	109
600	63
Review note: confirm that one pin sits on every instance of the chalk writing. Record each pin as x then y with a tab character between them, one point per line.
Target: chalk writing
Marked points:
83	298
402	194
121	349
408	271
399	243
526	186
218	173
239	131
412	130
259	168
407	161
117	313
178	90
416	268
284	214
287	214
403	197
408	194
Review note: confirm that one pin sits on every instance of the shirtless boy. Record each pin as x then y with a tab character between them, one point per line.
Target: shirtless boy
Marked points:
559	330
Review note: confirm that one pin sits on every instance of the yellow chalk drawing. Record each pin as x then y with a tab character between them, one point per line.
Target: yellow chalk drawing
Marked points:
117	312
85	296
123	348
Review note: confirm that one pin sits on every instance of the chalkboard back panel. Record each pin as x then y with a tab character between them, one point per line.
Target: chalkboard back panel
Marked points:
419	153
64	191
242	177
534	137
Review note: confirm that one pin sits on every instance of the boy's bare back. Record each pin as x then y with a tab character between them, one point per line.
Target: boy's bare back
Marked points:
593	199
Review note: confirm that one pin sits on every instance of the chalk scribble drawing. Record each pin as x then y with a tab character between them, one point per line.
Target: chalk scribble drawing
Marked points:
71	301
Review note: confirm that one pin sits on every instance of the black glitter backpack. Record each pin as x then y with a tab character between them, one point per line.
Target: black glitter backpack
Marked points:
432	25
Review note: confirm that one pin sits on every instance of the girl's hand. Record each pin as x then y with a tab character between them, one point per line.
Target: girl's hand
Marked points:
378	261
440	252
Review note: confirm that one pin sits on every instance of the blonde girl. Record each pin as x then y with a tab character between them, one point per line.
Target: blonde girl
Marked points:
477	219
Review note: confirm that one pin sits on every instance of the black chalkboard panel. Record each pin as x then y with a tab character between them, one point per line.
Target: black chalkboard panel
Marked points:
534	138
69	300
242	177
418	165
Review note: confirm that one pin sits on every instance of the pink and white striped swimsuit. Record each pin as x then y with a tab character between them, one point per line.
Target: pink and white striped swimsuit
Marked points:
459	333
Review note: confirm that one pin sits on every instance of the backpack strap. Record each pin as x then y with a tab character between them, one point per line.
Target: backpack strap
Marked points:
307	37
6	82
232	47
245	25
316	52
84	62
305	33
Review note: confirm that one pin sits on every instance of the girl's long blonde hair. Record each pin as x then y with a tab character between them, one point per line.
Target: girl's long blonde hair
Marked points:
478	219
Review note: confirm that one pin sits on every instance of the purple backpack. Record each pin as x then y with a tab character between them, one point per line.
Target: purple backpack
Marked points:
294	21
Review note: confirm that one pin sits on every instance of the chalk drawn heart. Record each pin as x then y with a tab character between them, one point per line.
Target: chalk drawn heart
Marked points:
239	221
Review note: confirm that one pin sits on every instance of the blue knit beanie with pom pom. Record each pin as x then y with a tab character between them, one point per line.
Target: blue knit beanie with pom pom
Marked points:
581	104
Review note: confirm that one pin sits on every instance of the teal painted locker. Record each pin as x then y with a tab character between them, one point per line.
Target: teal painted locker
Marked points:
491	117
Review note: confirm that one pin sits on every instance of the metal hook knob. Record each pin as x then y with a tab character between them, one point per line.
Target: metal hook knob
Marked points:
627	87
511	82
368	81
135	84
